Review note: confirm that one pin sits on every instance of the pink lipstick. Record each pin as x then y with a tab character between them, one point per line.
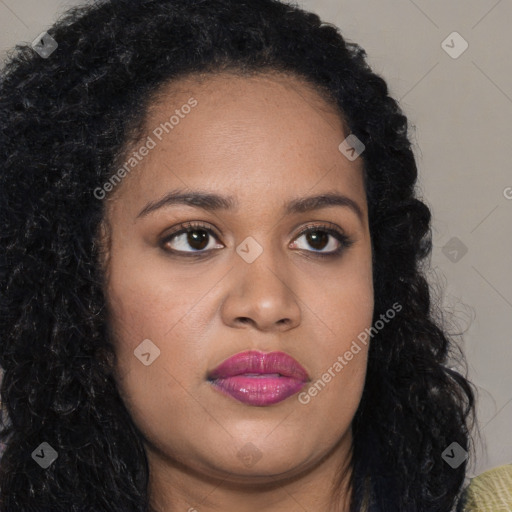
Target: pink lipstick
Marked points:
259	378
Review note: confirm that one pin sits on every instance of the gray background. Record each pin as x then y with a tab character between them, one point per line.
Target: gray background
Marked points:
460	110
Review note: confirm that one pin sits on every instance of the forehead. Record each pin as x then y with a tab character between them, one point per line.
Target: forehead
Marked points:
235	109
243	134
231	84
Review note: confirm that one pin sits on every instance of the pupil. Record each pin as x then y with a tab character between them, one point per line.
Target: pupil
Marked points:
193	239
313	239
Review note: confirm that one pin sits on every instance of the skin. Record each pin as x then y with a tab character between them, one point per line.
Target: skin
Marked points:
264	140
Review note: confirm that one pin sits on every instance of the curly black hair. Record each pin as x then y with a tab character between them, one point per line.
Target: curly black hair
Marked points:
64	121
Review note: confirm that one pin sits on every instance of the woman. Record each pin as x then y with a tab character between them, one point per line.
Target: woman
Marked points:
211	291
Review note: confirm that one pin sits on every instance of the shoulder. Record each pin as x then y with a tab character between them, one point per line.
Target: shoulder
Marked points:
490	492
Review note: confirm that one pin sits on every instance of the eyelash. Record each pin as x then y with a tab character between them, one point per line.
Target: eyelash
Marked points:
344	241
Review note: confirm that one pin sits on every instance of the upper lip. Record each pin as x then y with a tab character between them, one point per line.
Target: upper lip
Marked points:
254	361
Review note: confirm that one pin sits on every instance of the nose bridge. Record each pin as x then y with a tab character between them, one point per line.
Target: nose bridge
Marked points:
262	291
262	267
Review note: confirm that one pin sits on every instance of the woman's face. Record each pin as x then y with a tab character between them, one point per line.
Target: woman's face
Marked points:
180	305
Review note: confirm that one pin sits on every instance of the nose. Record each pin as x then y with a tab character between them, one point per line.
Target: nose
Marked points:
261	294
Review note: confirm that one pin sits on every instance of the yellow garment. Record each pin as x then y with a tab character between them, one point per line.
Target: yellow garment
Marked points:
491	491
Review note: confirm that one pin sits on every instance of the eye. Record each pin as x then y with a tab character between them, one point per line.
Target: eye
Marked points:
322	237
197	236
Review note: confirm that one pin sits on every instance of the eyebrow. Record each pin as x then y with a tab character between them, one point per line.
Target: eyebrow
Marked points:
214	202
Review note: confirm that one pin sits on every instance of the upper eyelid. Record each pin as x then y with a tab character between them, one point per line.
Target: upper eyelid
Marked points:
187	225
321	225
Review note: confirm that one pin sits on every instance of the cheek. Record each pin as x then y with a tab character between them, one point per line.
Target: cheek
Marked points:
332	397
159	322
157	365
153	329
146	300
343	314
344	304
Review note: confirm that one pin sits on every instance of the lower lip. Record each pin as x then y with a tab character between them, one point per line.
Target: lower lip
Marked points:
259	391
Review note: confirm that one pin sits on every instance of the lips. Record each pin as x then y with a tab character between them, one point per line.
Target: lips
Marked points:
258	378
